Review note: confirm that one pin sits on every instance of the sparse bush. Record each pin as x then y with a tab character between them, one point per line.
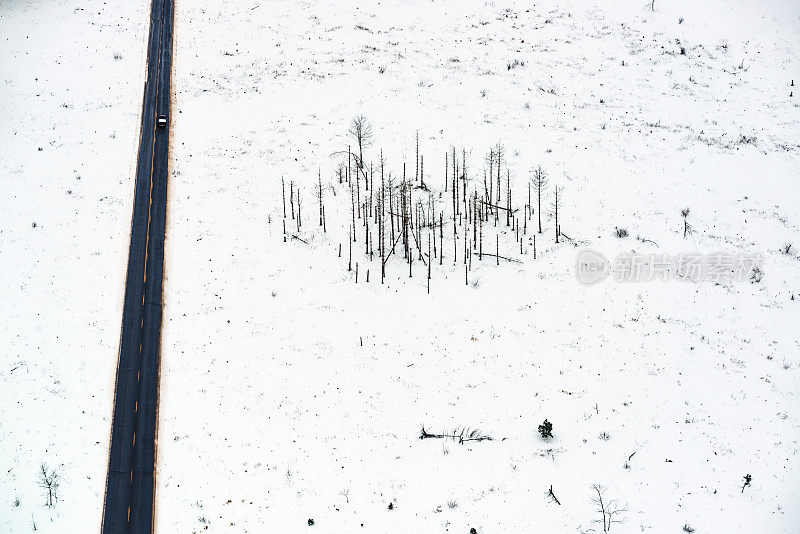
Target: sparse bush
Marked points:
756	275
688	528
787	248
514	64
621	232
546	429
605	436
747	139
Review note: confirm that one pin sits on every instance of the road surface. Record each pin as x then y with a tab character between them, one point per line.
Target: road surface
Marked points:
130	484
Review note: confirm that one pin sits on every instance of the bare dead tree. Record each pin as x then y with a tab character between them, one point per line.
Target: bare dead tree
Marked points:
508	197
459	434
441	237
687	228
318	193
611	511
299	206
553	495
540	184
361	131
556	205
382	224
49	481
500	154
490	160
291	197
283	195
416	171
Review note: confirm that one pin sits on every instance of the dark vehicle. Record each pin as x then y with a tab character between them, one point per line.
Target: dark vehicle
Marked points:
161	121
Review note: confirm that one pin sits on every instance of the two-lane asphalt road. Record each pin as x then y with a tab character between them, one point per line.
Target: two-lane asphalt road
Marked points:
130	484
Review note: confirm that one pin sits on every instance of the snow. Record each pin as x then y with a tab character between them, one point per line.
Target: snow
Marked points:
68	145
289	392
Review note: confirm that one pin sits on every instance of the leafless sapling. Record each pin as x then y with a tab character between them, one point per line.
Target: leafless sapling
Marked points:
611	511
49	481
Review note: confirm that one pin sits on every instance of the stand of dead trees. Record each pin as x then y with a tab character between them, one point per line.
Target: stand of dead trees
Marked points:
397	218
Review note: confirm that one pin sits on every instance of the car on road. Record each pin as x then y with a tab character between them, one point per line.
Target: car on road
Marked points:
161	121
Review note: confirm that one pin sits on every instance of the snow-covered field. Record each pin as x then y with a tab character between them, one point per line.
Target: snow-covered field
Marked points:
70	90
289	392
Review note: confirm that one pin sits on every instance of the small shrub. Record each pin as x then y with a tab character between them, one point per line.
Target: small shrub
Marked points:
621	232
747	139
787	248
688	528
605	436
756	275
546	429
